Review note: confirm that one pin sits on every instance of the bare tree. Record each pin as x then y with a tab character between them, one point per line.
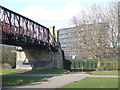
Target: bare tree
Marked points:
113	31
98	31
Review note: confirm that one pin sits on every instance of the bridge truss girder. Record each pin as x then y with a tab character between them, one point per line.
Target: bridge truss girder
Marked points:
18	30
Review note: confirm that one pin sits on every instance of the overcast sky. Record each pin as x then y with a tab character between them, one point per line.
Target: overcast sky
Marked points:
51	12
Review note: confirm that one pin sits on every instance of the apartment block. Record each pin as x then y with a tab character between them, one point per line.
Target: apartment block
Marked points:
71	39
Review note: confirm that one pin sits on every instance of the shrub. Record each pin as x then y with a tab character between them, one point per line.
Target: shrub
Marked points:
67	64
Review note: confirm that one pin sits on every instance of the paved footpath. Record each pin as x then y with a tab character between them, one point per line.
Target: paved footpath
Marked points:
37	75
58	81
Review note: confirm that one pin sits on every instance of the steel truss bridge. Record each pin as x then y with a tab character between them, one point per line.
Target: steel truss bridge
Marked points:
19	30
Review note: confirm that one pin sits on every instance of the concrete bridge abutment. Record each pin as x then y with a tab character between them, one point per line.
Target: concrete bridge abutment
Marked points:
29	57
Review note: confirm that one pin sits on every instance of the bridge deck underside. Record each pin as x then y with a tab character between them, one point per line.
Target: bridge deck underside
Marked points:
21	40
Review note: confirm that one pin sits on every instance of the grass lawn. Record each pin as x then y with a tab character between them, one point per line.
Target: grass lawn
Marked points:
37	71
10	80
48	71
11	71
105	72
95	83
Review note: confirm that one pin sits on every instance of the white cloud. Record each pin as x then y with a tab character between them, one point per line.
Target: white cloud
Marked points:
58	17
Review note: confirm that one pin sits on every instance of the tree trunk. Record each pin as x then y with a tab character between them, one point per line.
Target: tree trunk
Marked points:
98	65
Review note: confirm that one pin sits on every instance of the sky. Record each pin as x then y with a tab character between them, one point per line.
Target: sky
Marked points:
51	12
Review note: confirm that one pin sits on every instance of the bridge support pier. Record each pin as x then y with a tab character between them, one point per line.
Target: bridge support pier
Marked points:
38	58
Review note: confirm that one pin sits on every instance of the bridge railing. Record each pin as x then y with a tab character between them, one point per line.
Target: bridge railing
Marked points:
16	24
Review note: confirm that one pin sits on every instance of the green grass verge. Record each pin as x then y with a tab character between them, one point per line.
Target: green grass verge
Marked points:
94	83
48	71
37	71
10	80
11	71
105	72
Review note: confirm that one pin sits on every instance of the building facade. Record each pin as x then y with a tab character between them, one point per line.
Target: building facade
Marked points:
71	39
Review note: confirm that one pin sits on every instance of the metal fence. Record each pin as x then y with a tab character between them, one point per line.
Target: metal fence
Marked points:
92	65
83	65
